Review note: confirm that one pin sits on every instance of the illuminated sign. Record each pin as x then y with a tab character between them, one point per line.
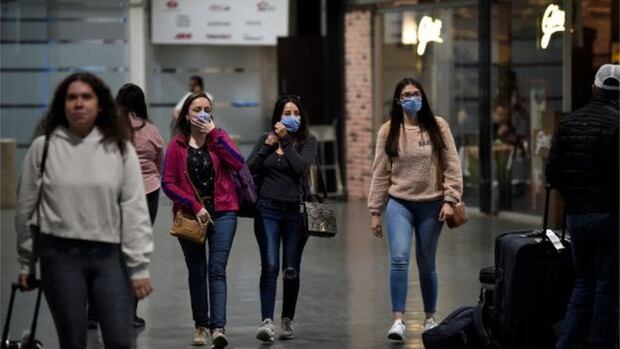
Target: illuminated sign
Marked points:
428	30
409	33
552	22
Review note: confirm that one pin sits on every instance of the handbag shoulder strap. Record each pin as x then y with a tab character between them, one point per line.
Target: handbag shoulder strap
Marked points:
46	146
198	195
193	186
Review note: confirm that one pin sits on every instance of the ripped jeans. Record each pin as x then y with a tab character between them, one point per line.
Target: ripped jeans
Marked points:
279	221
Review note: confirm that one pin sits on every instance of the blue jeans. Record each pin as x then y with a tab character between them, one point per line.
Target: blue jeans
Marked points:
279	221
594	302
76	271
219	240
402	219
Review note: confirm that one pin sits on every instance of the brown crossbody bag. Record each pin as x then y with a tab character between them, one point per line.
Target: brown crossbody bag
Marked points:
186	225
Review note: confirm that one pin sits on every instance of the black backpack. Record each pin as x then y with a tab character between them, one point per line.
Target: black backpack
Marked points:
463	328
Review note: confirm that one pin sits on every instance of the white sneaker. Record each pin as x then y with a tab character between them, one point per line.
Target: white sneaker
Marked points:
429	323
218	339
265	331
397	331
288	330
201	334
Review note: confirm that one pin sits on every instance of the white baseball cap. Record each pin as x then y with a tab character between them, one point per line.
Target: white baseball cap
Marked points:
608	71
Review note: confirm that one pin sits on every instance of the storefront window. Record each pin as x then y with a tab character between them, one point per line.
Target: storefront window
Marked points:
439	47
527	95
535	80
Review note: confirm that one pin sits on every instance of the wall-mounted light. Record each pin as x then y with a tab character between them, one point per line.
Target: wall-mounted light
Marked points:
552	22
409	33
428	30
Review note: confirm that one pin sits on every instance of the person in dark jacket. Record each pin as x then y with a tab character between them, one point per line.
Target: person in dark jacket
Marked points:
583	166
281	159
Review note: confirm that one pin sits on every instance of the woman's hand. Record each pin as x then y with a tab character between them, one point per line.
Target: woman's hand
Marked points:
203	217
271	139
280	129
203	126
375	225
142	287
447	211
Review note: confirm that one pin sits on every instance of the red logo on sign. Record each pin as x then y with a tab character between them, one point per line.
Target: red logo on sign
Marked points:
172	4
264	6
183	36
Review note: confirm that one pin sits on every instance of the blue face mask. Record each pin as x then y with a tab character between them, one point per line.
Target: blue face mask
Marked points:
204	116
291	122
411	105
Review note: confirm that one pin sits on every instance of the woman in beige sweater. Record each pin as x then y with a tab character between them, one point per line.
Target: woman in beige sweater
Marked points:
417	179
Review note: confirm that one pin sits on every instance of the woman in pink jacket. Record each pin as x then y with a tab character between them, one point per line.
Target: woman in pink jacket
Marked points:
204	154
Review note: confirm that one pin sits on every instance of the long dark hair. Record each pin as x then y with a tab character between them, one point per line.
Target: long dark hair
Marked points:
425	117
130	99
302	133
114	128
183	126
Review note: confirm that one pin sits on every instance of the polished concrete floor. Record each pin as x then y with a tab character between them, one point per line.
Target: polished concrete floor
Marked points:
344	300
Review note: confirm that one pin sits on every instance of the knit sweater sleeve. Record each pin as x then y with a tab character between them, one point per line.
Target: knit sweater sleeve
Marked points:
260	152
301	160
381	174
452	176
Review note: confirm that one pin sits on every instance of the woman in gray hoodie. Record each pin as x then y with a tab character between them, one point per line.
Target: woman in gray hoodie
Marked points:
81	204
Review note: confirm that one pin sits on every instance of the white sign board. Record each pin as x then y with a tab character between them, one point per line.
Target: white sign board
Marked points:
219	22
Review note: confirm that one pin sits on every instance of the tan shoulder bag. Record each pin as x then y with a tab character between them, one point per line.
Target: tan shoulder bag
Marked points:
186	226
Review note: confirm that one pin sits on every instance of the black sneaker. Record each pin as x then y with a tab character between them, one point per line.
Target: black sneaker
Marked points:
138	322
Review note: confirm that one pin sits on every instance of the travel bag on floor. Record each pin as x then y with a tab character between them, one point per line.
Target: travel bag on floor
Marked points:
462	329
26	342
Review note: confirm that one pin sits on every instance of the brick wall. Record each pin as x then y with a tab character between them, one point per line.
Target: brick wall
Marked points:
359	130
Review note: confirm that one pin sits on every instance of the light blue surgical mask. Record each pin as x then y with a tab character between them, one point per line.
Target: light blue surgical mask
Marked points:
411	105
291	122
204	116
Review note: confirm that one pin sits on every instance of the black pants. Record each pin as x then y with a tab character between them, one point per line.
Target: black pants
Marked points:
74	272
152	200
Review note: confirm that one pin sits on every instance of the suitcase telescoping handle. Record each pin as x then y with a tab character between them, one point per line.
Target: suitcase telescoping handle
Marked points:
33	327
548	189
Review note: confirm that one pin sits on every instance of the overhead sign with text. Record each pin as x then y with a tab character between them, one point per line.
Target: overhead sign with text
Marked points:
223	22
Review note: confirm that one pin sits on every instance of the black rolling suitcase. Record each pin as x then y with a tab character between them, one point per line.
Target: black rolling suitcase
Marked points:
27	342
534	280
